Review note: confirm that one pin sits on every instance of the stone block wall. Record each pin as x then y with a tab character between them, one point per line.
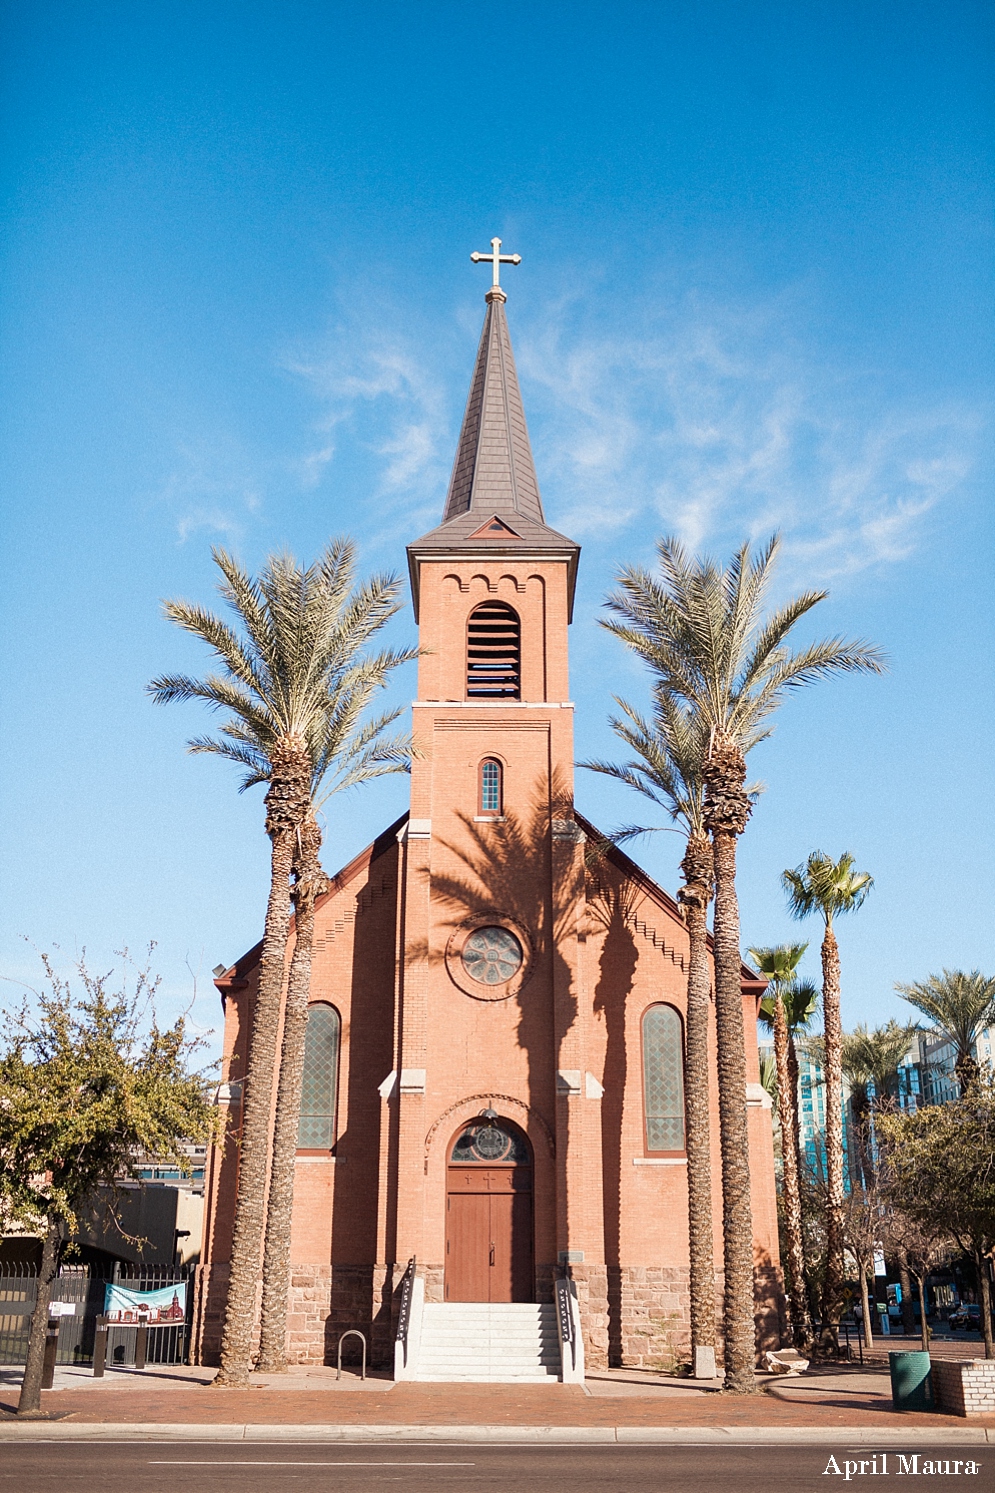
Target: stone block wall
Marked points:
324	1301
964	1386
592	1300
648	1321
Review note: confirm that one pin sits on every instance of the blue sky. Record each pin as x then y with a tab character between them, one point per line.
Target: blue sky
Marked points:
238	307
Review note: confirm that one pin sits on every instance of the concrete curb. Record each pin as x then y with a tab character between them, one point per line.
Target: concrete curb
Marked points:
884	1436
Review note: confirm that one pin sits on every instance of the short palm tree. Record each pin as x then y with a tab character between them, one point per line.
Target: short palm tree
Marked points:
870	1061
703	633
294	683
666	769
830	888
786	1008
960	1006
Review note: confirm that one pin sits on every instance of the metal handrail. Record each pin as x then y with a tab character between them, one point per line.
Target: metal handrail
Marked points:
565	1314
404	1310
353	1332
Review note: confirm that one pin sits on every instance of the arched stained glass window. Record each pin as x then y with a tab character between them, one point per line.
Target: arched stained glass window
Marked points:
319	1087
663	1079
491	794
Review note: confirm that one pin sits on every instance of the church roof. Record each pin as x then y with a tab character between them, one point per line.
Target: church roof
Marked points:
493	504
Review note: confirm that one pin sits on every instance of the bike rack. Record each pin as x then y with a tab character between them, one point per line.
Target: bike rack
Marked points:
353	1332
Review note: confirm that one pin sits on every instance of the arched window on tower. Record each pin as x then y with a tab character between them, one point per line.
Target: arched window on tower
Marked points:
320	1082
490	788
663	1079
494	653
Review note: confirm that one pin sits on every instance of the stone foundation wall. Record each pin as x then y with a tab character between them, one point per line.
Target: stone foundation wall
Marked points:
324	1302
632	1316
648	1317
592	1282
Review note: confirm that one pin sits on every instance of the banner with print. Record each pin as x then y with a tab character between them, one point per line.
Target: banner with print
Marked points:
167	1305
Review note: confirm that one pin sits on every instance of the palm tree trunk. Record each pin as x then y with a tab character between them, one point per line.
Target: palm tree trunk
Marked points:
727	810
832	1291
694	897
737	1217
286	805
29	1402
787	1105
797	1137
279	1214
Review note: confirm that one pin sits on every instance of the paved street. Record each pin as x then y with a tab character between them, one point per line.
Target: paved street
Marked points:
161	1467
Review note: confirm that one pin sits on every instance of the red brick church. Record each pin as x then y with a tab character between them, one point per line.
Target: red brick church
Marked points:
493	1093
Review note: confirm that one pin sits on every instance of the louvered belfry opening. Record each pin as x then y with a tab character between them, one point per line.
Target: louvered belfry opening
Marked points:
494	653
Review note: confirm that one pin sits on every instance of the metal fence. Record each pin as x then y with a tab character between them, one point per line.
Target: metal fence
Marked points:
83	1286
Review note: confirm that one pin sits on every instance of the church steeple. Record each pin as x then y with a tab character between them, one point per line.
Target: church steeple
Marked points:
494	472
493	504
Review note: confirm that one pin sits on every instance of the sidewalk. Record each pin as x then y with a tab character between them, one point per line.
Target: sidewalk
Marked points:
613	1404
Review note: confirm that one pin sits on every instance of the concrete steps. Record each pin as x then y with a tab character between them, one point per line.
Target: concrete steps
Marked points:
479	1343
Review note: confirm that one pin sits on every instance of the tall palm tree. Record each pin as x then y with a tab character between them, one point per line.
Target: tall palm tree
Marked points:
293	683
830	888
787	1007
960	1006
703	632
666	769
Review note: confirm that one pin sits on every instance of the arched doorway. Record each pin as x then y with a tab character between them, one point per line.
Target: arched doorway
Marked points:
489	1213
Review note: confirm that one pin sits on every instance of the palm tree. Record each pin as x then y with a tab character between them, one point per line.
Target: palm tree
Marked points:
787	1007
703	633
294	683
666	769
830	888
960	1006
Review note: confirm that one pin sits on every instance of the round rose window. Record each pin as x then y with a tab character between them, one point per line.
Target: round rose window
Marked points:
492	955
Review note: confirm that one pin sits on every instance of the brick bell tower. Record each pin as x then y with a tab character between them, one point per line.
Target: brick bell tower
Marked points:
491	1021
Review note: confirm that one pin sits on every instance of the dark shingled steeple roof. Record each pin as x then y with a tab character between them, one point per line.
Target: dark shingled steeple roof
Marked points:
493	504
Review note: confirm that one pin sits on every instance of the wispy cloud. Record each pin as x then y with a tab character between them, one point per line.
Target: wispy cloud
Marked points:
385	401
715	423
213	487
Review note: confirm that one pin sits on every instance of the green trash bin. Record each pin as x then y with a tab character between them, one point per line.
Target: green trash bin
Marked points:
911	1385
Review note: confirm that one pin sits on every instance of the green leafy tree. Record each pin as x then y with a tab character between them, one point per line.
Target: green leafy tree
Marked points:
960	1006
295	684
941	1173
787	1008
831	889
666	768
704	634
88	1082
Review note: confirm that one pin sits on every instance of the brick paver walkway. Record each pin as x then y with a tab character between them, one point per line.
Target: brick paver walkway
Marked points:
827	1400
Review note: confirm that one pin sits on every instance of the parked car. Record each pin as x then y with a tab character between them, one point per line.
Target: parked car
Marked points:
968	1315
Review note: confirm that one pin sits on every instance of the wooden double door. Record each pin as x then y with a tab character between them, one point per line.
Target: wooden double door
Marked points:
489	1233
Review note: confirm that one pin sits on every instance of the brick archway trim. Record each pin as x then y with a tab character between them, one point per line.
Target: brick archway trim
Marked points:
531	1114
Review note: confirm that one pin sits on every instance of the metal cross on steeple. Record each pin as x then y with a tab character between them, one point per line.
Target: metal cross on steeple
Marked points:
497	259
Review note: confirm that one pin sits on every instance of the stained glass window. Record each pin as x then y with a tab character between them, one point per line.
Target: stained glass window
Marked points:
320	1081
663	1079
492	955
490	786
491	1141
